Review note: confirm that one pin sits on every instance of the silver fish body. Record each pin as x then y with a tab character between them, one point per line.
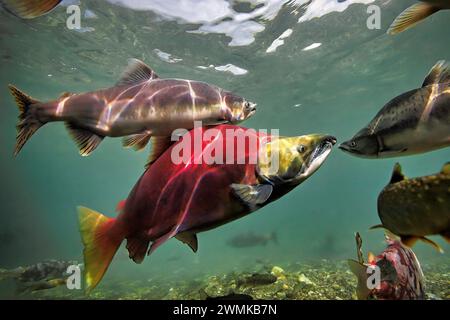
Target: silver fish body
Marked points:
139	108
415	122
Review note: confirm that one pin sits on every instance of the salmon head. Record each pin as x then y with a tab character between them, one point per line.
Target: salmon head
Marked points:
236	108
292	160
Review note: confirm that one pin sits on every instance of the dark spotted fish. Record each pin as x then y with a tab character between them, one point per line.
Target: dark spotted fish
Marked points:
401	277
416	207
29	9
417	13
140	107
40	276
415	122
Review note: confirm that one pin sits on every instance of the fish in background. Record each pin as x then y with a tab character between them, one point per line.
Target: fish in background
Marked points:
181	200
29	9
417	13
40	276
415	122
413	208
401	277
140	107
251	239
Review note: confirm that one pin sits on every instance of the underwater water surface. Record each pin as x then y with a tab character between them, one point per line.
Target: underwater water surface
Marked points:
311	66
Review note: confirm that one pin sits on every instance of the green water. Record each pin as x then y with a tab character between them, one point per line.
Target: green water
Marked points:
335	88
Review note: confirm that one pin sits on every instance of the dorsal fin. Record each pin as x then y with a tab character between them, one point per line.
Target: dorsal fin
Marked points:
397	174
65	95
440	73
136	72
446	168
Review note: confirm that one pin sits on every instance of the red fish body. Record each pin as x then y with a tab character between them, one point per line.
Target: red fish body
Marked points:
405	280
401	277
179	199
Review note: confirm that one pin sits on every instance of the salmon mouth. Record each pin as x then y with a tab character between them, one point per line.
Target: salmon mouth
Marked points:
252	110
318	156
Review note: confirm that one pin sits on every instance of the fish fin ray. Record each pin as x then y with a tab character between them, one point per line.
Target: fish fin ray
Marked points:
360	271
136	72
28	124
85	140
189	238
412	16
252	195
137	248
159	145
100	243
137	141
27	9
439	73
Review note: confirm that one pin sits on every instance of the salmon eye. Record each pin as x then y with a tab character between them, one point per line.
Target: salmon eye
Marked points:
353	144
301	148
247	105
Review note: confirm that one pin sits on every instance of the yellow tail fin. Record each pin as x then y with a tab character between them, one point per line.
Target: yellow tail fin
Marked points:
101	241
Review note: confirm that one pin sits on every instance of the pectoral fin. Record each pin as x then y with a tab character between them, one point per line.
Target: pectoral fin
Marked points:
252	195
137	141
159	145
411	16
188	238
85	140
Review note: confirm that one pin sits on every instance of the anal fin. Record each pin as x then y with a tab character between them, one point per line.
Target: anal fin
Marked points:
188	238
85	139
137	248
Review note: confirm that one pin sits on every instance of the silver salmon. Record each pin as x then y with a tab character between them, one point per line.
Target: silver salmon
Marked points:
140	107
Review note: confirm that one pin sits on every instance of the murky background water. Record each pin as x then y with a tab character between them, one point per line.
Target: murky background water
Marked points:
311	67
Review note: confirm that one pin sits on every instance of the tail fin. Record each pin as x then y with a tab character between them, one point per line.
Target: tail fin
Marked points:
29	9
411	16
100	241
28	124
360	271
